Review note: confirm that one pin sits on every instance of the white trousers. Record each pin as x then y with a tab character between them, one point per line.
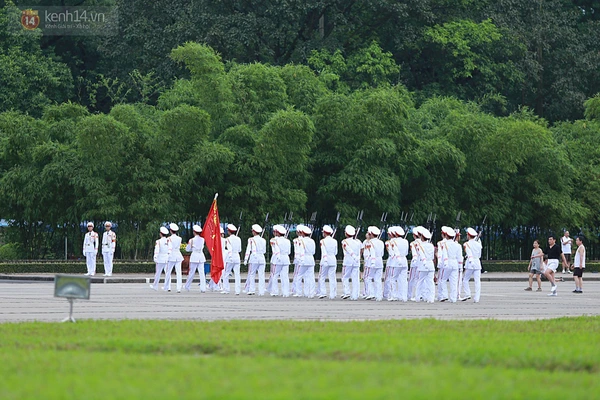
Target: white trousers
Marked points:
351	273
450	276
250	280
374	283
90	262
235	268
328	272
160	267
193	267
442	287
306	274
108	262
169	270
280	272
425	286
368	280
413	278
476	274
395	284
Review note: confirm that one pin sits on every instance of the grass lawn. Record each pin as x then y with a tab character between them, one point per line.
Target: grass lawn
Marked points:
415	359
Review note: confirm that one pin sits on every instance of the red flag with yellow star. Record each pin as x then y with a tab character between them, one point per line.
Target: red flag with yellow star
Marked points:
212	236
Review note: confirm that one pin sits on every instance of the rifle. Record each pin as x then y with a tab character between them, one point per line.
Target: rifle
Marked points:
434	229
337	221
239	225
359	222
289	224
265	226
478	238
382	224
312	223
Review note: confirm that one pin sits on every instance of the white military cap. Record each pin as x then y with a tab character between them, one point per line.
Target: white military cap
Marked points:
276	228
306	230
300	228
280	229
327	229
450	232
173	226
425	233
231	227
373	230
471	232
257	228
399	231
90	224
195	228
222	230
417	230
349	230
164	230
107	223
446	230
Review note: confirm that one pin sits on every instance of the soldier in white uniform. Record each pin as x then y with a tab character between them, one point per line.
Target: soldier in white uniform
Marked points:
233	248
375	260
351	264
162	250
455	264
395	284
442	264
413	276
197	259
328	263
280	262
255	259
426	252
306	271
472	266
299	252
175	259
366	275
109	243
90	249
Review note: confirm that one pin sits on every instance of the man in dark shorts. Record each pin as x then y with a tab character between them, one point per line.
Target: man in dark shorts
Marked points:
554	253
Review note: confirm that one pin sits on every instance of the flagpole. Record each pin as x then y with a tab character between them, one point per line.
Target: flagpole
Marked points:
216	195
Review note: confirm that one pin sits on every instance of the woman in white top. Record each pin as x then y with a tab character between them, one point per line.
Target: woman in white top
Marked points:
196	247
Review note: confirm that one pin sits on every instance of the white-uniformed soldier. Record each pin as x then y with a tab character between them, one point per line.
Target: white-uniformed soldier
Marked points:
402	252
442	264
305	278
109	243
90	249
328	264
233	248
473	265
175	259
351	264
255	259
197	259
299	252
280	262
455	263
162	250
374	260
413	276
395	284
426	252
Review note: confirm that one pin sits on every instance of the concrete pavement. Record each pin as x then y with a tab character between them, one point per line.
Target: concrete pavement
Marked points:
130	297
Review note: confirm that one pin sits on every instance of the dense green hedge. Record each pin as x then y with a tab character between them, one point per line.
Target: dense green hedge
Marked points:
132	267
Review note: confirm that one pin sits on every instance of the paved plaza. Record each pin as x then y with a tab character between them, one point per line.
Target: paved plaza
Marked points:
502	298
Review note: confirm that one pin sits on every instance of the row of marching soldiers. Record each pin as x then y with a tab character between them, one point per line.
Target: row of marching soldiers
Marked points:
399	283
